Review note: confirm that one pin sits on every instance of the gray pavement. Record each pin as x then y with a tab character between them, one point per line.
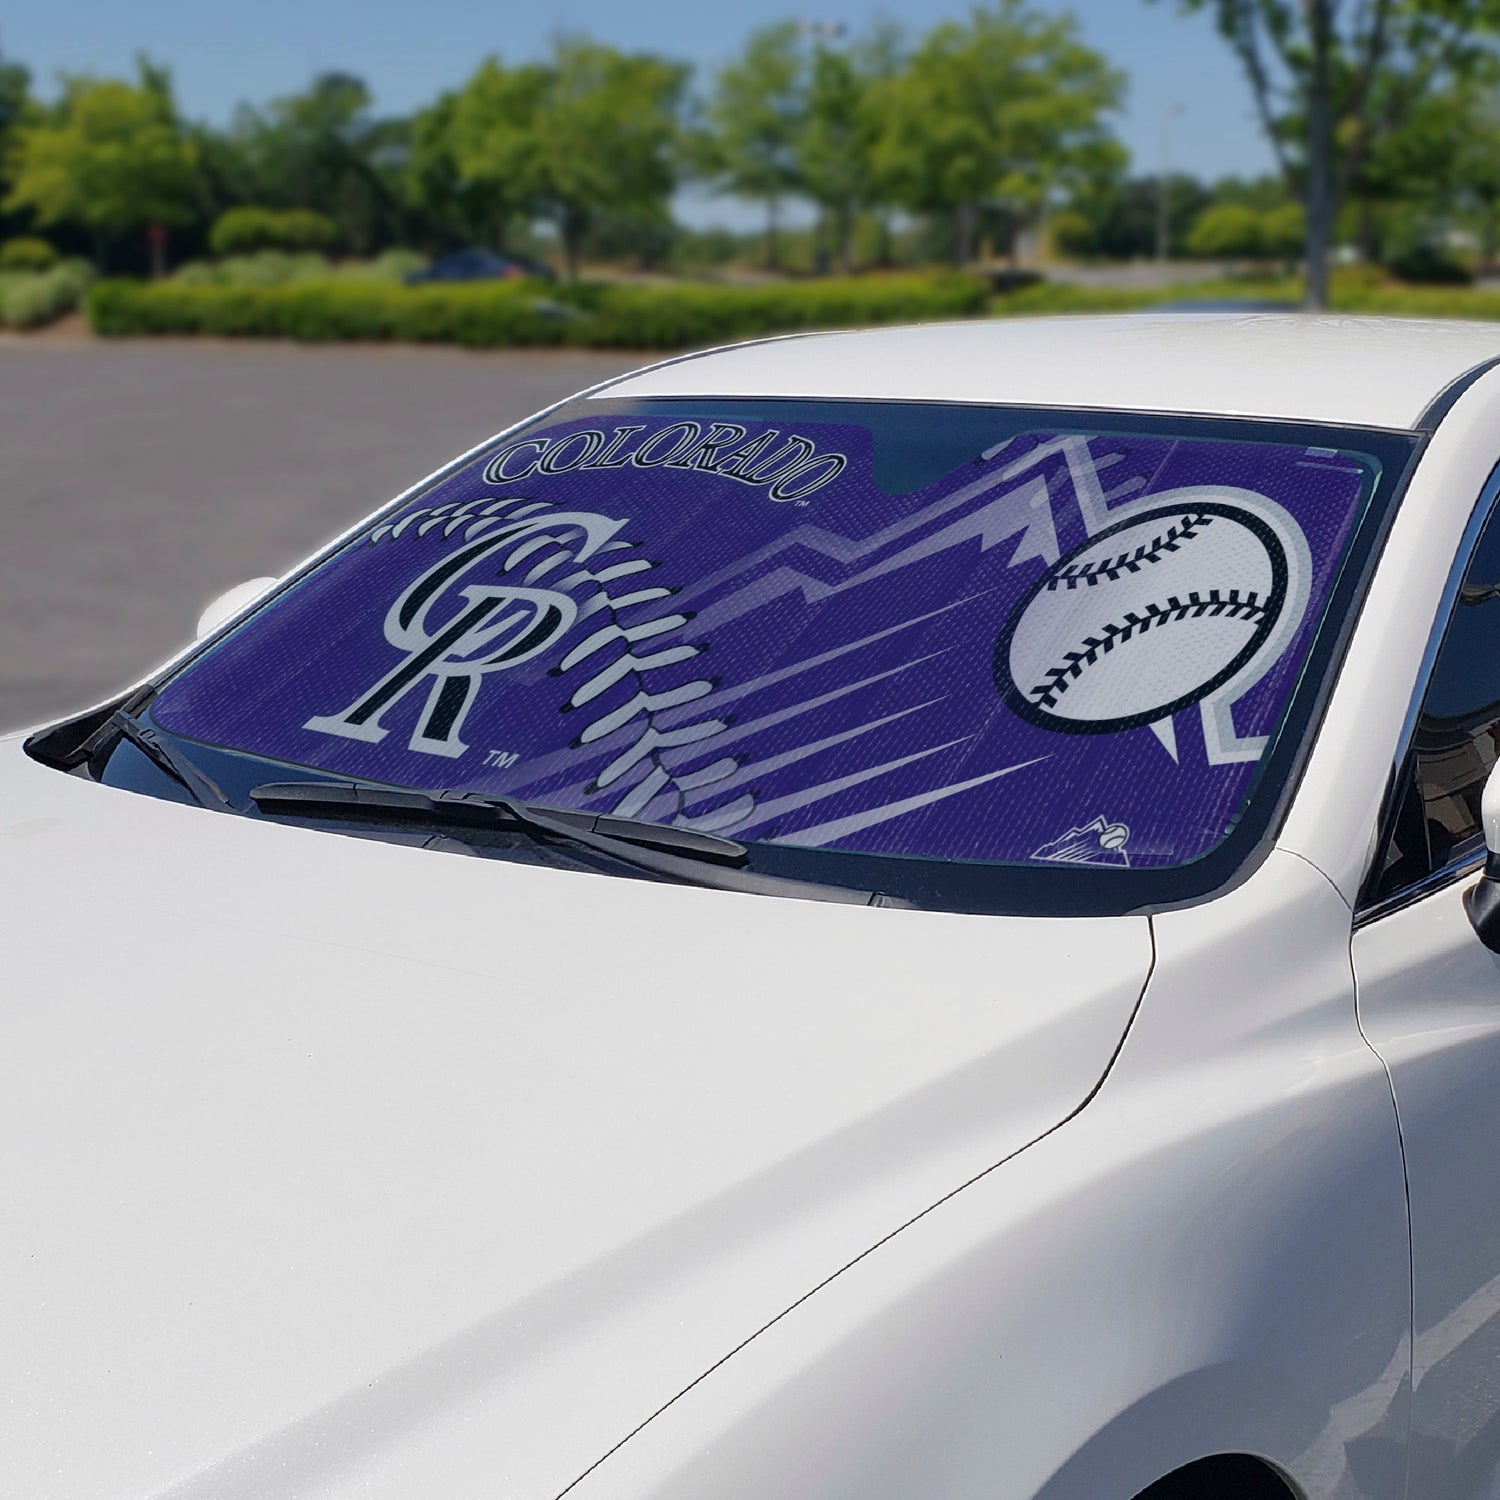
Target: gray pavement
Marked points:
138	480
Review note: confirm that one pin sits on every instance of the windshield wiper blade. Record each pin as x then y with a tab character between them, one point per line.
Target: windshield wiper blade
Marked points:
472	809
203	789
682	854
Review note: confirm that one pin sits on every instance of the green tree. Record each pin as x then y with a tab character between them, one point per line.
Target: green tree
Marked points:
16	105
834	149
323	149
457	208
480	152
994	112
1475	166
110	156
592	131
834	155
754	121
15	100
1333	83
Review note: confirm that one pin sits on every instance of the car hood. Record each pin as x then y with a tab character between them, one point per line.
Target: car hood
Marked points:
338	1167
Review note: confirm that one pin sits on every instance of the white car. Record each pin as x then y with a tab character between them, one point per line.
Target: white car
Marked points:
876	916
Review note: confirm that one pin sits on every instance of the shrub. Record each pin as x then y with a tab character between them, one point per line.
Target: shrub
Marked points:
1072	233
28	299
27	253
497	314
282	268
263	268
1429	265
1284	231
1227	230
1397	300
389	265
1046	298
243	231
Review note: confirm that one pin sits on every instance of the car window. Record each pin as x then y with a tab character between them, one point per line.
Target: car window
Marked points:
885	630
1457	735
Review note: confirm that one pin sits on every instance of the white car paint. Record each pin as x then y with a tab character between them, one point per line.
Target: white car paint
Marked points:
355	1167
1269	365
1210	1257
344	1192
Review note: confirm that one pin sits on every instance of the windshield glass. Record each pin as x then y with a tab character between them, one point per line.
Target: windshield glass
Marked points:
935	633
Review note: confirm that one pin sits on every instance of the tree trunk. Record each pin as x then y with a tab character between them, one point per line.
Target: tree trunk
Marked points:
156	243
1320	204
965	220
571	227
773	250
845	233
1369	250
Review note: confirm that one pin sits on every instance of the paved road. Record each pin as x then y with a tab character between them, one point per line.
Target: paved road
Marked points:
137	480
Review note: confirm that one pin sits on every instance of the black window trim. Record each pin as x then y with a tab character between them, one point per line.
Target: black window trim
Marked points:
1469	857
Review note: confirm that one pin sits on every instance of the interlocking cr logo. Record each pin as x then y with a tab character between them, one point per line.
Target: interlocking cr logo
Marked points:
497	626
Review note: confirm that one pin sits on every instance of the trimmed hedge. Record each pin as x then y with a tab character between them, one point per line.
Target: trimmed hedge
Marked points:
1055	297
494	315
1356	289
1421	302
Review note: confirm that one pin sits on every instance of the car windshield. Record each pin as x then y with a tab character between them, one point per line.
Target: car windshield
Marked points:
906	635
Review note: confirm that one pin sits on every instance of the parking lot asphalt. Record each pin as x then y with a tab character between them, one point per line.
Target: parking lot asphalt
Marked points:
138	480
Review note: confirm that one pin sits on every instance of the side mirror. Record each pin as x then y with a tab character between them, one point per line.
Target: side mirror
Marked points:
230	603
1482	901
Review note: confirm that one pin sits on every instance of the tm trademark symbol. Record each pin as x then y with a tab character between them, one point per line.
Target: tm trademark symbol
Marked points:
803	504
504	759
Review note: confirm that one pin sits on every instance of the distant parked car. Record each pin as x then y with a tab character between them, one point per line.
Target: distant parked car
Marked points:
479	265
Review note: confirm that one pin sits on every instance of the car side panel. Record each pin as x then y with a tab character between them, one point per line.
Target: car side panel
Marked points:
1429	1000
1211	1256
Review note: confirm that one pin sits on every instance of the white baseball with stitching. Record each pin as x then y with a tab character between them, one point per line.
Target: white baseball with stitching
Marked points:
1144	619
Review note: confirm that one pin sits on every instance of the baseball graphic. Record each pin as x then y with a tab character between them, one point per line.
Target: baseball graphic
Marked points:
1146	618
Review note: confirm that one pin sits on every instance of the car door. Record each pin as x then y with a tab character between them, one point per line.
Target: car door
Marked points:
1429	1003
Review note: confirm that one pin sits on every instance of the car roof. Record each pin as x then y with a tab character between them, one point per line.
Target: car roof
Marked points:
1379	372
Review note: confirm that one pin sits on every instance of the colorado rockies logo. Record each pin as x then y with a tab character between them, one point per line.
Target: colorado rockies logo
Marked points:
455	634
1146	618
582	596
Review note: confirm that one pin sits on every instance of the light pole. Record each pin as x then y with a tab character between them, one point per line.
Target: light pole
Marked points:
1164	181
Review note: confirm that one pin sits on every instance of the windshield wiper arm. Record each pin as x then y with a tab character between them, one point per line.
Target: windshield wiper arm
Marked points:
682	854
173	762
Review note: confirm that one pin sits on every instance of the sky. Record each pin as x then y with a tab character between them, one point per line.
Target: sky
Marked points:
409	50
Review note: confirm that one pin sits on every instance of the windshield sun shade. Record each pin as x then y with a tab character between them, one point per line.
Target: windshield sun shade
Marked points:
935	633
